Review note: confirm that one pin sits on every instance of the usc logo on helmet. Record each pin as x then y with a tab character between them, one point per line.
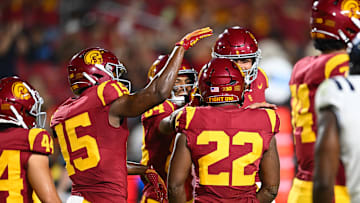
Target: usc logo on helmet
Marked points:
93	57
20	91
350	8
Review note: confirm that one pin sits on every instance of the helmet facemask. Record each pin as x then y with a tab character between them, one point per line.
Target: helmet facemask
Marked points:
182	99
36	108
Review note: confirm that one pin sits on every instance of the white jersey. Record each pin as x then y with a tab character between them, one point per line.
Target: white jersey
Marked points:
344	95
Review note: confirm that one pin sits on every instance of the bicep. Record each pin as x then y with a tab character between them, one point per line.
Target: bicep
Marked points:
180	164
38	174
270	166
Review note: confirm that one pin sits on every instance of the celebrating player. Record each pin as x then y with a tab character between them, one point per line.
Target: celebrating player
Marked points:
24	145
332	28
240	45
92	128
227	144
157	146
337	110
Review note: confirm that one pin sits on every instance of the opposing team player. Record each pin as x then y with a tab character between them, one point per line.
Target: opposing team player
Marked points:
332	28
92	127
227	144
24	145
336	106
157	146
239	44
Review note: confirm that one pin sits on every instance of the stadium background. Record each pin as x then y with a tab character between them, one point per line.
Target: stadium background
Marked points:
38	37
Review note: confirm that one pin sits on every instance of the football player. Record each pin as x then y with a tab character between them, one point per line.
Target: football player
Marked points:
92	128
157	146
227	144
24	145
336	106
239	44
332	29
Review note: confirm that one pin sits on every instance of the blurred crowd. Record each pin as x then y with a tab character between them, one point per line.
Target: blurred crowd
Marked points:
38	38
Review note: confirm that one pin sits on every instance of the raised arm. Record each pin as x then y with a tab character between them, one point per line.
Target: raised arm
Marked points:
269	174
327	150
179	169
38	174
160	87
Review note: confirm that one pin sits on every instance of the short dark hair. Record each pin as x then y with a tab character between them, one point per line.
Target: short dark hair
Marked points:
325	45
354	62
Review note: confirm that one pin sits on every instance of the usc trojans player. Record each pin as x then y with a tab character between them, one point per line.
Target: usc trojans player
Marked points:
332	28
227	144
92	127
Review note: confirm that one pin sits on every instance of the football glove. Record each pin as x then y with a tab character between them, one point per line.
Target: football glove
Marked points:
154	179
190	39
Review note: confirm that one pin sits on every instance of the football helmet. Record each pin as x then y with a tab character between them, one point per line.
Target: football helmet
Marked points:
335	19
222	81
185	69
238	43
93	66
20	104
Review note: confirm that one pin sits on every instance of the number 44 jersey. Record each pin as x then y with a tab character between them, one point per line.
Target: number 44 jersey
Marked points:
227	144
94	151
306	77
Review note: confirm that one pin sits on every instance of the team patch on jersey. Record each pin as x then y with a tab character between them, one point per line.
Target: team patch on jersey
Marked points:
20	91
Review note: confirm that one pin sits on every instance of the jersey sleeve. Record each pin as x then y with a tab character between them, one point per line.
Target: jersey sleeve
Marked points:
337	65
165	108
184	118
274	120
111	90
264	77
328	94
40	141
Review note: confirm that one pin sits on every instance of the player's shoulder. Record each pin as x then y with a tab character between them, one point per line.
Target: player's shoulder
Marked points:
163	109
34	140
186	115
109	91
265	116
331	91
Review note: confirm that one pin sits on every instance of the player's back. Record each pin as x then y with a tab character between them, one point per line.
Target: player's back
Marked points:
226	145
344	95
307	75
16	147
94	151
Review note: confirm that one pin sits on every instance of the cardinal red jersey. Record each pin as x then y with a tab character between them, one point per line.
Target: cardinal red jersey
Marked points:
227	144
307	75
157	147
258	87
94	151
16	147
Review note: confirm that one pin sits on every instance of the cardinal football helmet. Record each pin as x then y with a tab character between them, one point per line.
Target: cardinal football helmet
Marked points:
93	66
221	81
185	69
335	19
238	43
20	104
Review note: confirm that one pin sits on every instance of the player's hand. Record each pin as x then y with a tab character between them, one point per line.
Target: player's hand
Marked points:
153	178
261	105
190	39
